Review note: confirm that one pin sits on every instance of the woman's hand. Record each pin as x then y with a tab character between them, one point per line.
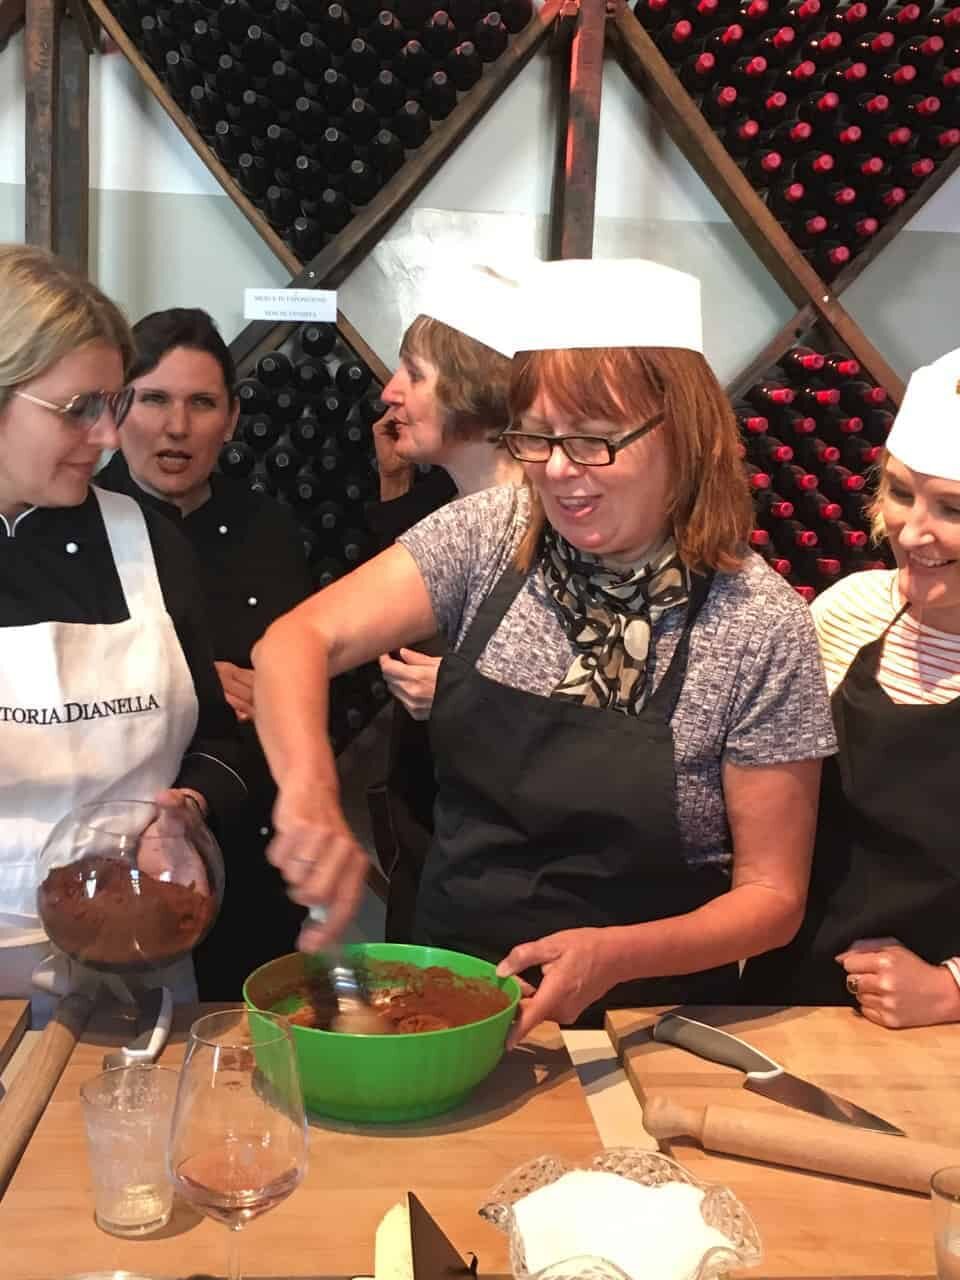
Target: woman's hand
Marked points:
396	474
166	850
895	988
237	688
579	967
321	861
412	680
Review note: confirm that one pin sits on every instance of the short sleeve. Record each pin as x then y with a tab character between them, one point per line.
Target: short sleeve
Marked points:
461	549
781	710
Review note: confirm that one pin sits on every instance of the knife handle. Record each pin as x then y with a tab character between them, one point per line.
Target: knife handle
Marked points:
712	1044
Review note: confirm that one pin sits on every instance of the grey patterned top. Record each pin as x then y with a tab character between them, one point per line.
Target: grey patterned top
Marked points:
754	693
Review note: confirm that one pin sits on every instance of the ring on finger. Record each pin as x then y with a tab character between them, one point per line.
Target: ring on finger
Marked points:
853	983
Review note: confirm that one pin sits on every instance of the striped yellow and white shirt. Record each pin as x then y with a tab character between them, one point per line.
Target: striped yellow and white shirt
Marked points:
918	665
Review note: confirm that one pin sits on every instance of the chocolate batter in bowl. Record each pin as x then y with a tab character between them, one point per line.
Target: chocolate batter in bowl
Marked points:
451	1015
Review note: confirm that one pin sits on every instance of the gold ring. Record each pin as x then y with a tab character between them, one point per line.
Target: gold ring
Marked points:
853	983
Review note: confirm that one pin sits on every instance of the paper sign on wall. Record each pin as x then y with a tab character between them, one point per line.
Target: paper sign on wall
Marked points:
316	305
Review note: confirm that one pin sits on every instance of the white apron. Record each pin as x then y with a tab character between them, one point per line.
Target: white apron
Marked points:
87	713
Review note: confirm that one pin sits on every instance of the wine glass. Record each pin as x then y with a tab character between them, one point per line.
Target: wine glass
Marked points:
238	1141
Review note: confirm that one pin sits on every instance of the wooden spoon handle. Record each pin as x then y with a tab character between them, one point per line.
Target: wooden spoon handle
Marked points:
28	1095
792	1139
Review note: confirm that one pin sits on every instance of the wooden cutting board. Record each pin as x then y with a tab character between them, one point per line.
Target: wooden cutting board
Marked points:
14	1021
532	1104
813	1225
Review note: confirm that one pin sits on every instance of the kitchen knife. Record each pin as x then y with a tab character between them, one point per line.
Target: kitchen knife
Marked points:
764	1076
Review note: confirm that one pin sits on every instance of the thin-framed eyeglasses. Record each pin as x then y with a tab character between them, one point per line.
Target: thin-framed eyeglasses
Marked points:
583	451
88	407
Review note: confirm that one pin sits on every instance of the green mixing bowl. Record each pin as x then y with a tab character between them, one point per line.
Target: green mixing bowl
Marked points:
392	1078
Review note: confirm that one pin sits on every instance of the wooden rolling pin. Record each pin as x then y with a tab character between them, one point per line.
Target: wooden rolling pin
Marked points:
821	1145
25	1100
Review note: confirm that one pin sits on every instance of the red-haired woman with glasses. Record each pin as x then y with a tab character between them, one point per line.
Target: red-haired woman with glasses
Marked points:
628	733
107	685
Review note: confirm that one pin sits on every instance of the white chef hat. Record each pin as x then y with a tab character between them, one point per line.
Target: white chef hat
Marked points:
612	302
925	435
476	300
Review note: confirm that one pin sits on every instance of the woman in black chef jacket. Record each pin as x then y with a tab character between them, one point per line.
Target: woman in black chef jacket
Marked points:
628	732
253	569
447	405
107	684
882	929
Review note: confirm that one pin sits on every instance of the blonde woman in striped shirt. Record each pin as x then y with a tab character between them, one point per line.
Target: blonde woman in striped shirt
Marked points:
883	921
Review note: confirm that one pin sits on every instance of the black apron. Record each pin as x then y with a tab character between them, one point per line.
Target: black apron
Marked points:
552	815
887	858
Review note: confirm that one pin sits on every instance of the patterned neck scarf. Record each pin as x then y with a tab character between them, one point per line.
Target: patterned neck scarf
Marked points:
608	614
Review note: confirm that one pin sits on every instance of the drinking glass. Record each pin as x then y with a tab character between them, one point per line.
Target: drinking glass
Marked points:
945	1194
238	1142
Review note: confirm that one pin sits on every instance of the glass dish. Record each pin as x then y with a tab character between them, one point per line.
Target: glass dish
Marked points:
721	1209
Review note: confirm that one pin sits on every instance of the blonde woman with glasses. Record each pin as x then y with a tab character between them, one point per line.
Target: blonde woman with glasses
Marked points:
107	685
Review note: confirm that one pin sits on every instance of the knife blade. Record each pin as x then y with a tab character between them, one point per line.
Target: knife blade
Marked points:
763	1074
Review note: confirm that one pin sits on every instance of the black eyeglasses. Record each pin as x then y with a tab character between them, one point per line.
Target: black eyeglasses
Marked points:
583	451
88	407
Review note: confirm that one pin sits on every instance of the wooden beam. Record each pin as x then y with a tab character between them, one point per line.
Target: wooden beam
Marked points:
78	11
11	17
575	190
643	62
40	59
333	263
71	149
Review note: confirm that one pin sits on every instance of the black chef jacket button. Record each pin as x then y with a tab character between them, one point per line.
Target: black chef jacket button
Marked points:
252	600
71	548
223	529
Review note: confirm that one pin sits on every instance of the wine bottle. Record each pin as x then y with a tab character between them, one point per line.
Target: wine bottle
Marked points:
464	66
902	19
725	44
912	171
282	207
307	236
859	395
753	15
361	62
328	460
845	77
336	149
311	56
413	64
360	121
259	432
745	73
205	108
857	453
840	482
329	516
180	73
361	182
762	167
331	406
286	406
790	537
718	105
837	366
859	229
253	174
229	142
308	176
830	256
309	119
776	44
817	509
285	85
813	166
386	154
822	569
317	340
825	48
288	22
352	378
411	124
653	14
793	480
274	370
386	34
801	361
335	28
336	90
355	546
307	490
439	95
327	570
797	77
282	462
307	434
353	435
804	13
786	200
922	51
795	425
309	378
740	137
359	486
749	422
939	143
236	459
440	34
847	17
822	109
387	92
255	112
837	424
767	394
259	50
768	451
873	46
807	228
697	71
877	424
779	564
234	17
772	508
152	41
812	452
841	538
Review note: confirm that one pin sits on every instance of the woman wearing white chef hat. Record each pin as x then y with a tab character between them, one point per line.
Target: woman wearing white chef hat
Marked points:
628	731
883	922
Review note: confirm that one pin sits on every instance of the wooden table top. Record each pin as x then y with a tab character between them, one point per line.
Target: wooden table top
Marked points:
811	1224
14	1021
531	1104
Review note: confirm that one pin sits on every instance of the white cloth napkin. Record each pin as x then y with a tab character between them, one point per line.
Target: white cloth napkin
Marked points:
651	1233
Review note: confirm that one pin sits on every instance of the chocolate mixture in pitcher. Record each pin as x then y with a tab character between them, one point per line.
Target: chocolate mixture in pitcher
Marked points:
103	912
410	998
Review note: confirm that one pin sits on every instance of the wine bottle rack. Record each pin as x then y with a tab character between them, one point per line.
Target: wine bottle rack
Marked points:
836	114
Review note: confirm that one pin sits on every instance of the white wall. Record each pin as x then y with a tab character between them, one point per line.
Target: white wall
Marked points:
163	234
